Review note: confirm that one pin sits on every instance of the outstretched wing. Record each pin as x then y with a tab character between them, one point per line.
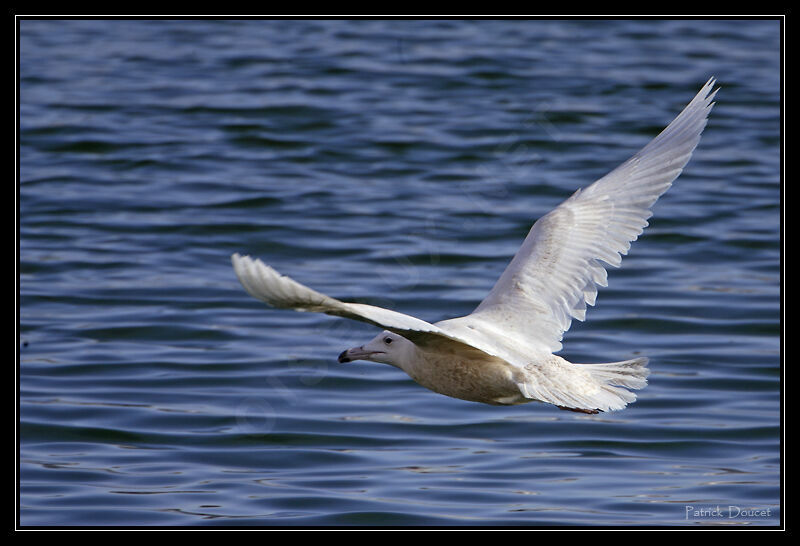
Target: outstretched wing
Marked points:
555	273
264	283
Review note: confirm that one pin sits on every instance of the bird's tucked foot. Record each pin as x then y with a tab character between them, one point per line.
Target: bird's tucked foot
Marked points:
580	410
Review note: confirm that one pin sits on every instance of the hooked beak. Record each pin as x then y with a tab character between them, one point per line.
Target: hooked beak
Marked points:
356	353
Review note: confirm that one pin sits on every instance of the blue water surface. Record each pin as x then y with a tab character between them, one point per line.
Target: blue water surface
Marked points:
398	163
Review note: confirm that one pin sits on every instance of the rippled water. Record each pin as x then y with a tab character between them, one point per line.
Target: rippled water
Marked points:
401	164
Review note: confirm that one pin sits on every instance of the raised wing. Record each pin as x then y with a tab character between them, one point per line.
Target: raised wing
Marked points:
555	273
264	283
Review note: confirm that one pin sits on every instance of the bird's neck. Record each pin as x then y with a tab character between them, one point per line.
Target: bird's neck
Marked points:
410	359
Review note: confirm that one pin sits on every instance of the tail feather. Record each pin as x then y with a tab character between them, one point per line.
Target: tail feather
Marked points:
627	373
615	377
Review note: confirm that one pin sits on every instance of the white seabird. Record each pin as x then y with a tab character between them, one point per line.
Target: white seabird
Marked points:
502	353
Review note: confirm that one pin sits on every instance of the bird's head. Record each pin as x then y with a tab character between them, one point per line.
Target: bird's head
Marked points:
386	347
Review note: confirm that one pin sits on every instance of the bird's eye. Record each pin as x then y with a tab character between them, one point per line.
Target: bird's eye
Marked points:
387	340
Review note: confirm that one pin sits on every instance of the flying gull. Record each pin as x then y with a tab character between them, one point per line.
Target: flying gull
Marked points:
503	352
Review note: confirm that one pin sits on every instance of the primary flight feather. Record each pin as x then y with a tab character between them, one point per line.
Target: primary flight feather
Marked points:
502	353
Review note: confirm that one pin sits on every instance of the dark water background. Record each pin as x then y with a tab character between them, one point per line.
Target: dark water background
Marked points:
398	163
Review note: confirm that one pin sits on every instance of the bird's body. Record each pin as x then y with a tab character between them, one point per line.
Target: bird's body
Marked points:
477	378
492	380
462	371
466	374
502	353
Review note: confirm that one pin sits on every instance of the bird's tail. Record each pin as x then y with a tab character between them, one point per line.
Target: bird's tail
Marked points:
615	377
627	373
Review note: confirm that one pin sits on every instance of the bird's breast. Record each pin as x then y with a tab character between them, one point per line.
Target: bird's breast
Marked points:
487	379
